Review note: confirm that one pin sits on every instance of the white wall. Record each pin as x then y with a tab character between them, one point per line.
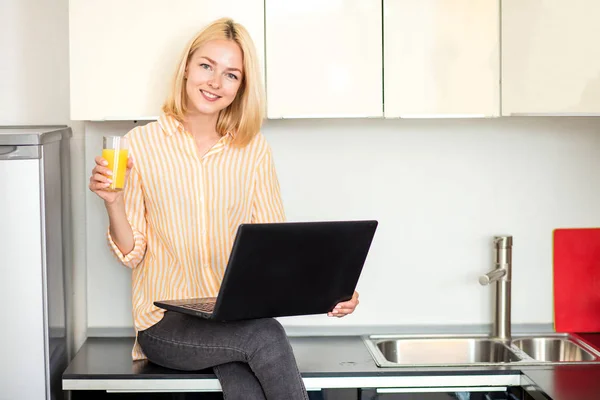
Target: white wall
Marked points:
34	90
440	189
34	63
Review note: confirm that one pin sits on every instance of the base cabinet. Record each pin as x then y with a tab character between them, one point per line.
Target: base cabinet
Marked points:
510	393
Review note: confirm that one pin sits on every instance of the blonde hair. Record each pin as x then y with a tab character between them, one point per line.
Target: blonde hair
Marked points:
244	116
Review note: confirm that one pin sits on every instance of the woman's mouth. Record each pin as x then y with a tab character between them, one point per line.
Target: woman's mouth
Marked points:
209	96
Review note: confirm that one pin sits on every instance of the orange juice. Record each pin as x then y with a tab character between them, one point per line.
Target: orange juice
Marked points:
117	163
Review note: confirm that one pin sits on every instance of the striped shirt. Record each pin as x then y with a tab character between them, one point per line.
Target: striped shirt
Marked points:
184	210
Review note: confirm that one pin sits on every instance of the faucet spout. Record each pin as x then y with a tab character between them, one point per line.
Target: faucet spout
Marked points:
501	275
492	276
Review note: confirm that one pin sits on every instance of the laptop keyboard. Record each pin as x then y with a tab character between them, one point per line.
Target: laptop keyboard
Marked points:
207	307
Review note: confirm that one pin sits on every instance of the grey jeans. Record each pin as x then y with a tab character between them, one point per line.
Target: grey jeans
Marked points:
253	359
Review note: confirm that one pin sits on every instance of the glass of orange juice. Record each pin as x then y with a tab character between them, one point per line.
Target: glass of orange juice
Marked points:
116	152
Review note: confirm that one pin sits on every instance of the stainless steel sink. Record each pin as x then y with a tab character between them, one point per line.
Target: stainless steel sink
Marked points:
438	351
460	350
556	349
501	348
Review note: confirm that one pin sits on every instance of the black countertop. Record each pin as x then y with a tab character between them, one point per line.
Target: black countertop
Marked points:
568	382
109	360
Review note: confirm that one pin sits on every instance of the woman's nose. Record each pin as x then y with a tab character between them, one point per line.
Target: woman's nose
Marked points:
214	82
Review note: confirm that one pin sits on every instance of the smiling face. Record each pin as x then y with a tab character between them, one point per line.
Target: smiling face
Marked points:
213	76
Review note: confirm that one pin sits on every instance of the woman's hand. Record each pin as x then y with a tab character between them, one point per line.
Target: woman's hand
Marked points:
346	307
101	179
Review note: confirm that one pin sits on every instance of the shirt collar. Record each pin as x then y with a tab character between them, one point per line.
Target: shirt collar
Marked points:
169	124
228	138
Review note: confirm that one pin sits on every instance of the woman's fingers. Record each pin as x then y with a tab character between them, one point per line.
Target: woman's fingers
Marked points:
101	170
341	311
101	161
101	175
95	185
345	307
101	178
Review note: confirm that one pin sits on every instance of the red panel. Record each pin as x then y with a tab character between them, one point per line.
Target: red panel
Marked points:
577	280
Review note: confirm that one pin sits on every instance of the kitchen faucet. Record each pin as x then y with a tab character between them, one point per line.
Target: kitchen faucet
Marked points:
502	275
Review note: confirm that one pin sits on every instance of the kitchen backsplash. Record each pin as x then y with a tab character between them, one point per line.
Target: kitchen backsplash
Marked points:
440	189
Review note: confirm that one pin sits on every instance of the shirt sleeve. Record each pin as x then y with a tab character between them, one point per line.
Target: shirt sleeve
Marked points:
267	203
135	210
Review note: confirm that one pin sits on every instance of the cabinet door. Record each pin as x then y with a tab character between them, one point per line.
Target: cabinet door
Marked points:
124	53
323	58
550	57
441	58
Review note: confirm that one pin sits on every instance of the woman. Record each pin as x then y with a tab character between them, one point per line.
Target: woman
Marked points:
201	170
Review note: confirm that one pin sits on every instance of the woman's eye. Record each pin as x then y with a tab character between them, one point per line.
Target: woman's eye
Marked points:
205	66
232	76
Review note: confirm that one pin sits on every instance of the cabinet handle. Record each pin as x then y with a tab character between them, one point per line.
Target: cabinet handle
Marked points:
7	150
20	152
443	389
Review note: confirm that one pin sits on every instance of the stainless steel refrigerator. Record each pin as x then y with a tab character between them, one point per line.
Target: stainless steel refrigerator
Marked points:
35	261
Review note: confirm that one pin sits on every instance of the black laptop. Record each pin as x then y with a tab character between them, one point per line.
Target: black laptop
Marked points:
284	269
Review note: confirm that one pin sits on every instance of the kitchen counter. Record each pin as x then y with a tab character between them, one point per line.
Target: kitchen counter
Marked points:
325	362
570	382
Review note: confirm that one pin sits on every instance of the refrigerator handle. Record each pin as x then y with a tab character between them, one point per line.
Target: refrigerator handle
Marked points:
20	152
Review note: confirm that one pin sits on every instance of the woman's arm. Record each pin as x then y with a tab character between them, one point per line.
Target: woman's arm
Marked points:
127	223
119	229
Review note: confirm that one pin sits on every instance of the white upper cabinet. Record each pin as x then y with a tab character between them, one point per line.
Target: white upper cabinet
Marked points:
324	58
550	57
123	53
441	58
